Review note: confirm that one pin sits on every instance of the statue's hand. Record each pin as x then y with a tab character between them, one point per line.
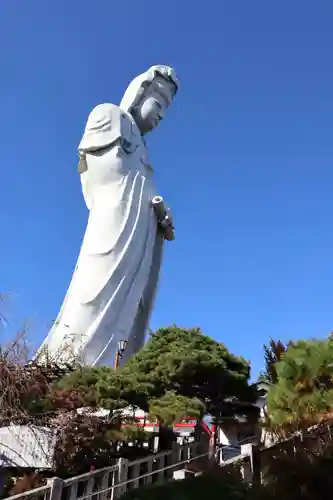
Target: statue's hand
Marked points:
164	218
167	227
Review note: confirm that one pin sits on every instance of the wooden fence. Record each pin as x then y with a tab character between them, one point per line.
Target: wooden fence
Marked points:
111	483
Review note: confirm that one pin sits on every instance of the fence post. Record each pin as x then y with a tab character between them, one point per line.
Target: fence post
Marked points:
246	467
135	475
212	447
149	478
56	488
175	453
90	487
256	465
161	464
73	491
219	456
122	477
104	486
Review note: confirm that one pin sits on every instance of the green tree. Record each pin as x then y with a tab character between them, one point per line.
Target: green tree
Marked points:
171	408
273	352
104	387
175	363
192	365
303	394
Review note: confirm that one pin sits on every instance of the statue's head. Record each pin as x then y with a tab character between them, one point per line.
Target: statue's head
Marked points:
149	95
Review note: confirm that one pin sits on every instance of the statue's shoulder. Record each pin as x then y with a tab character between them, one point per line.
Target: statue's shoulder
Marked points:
106	124
104	111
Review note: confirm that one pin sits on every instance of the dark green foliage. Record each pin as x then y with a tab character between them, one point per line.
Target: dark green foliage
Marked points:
171	408
181	370
303	394
273	353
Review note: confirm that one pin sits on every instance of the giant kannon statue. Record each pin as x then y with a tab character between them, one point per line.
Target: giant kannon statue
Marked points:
112	290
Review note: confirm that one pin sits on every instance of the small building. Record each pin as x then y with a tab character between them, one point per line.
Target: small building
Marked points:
24	448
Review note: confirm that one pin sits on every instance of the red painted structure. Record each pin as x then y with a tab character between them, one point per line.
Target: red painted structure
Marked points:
186	424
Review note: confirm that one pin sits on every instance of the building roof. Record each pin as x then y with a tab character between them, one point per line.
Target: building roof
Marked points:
26	446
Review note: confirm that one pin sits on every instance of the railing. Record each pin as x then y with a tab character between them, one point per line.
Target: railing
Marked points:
111	483
231	452
228	452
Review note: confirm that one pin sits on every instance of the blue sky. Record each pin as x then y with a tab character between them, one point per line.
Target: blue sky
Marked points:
244	156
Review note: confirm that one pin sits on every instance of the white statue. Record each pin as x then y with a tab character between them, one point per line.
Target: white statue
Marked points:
113	286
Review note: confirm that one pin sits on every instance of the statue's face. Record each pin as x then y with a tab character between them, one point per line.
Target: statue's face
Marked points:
151	108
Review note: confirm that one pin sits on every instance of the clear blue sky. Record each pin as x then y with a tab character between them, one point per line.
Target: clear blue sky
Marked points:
244	156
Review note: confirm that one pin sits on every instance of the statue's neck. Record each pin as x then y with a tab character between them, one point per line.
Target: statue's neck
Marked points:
136	129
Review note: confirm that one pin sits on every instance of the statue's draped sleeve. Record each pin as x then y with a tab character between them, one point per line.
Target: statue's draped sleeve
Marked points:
107	124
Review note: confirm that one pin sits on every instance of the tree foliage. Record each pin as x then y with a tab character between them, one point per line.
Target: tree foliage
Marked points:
273	353
178	370
31	395
171	408
303	394
179	373
190	364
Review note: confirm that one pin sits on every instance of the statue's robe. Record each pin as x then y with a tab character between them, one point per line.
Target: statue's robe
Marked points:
113	286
